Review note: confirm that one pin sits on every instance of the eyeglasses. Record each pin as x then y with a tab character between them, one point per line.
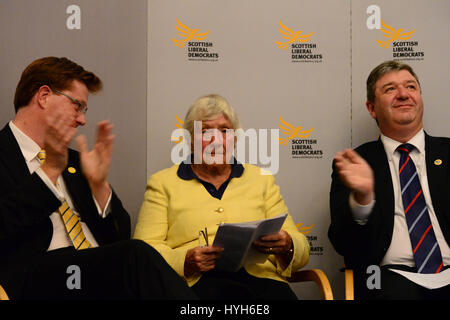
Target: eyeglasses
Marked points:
81	106
203	234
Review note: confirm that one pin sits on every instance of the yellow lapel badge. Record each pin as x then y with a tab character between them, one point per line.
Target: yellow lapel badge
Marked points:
73	170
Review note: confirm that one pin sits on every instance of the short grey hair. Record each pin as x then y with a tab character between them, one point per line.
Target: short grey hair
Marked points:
381	70
210	107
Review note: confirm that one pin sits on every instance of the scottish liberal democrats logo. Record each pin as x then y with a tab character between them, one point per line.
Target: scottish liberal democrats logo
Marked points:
186	34
304	229
291	36
302	146
316	248
301	51
179	124
402	49
193	40
290	132
399	39
393	35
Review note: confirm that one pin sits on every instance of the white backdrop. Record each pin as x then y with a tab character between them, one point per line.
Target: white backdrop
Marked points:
316	86
303	61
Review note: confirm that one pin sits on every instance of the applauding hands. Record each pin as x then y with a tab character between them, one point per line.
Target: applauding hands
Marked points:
61	127
95	163
356	174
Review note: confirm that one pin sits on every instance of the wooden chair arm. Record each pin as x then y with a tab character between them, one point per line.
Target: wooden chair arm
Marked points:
316	275
3	295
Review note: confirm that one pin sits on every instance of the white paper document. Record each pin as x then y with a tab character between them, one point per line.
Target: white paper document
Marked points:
237	239
429	281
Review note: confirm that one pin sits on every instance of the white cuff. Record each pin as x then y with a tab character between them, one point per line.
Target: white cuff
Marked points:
360	212
107	210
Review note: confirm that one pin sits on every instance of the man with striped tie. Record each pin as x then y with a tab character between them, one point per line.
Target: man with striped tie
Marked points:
389	198
57	209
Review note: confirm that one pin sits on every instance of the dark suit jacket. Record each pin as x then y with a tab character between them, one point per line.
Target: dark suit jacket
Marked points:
366	245
26	204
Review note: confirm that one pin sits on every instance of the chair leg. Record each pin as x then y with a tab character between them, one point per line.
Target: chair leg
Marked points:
316	275
349	285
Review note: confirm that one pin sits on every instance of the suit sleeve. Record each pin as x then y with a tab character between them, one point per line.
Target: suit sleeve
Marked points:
115	226
351	240
25	205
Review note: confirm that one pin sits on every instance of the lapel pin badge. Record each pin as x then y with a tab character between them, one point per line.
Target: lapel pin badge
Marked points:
438	162
71	170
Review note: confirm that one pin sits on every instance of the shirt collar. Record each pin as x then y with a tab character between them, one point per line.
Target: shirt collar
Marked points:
390	145
185	171
28	147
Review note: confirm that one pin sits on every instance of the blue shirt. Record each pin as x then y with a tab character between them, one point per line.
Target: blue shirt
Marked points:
185	172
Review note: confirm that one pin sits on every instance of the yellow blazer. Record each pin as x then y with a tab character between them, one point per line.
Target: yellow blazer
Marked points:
174	210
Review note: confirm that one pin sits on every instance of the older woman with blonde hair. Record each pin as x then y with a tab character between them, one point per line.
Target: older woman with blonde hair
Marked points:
208	188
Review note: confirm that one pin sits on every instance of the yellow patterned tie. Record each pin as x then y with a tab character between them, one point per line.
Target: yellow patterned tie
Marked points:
71	221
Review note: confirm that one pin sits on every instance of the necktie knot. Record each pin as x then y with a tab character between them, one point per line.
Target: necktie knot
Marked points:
405	148
41	156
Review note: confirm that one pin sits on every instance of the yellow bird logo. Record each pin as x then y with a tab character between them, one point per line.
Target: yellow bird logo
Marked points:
292	132
179	124
303	229
291	36
187	34
391	34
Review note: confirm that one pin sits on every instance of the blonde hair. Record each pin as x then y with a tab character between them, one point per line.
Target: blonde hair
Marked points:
210	107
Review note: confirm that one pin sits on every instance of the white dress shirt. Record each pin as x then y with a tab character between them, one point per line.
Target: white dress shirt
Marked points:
400	250
60	238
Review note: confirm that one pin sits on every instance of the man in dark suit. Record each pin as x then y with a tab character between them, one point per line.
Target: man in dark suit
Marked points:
64	233
374	218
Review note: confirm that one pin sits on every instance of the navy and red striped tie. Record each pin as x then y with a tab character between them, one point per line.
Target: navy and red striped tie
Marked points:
427	253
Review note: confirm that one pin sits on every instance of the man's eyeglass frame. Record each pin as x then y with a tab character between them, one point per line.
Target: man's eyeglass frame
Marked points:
81	106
